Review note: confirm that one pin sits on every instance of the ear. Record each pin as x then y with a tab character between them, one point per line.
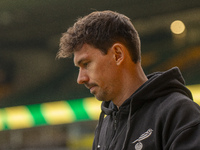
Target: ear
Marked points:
119	53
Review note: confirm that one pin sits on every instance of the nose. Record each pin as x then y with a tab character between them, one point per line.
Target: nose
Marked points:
82	77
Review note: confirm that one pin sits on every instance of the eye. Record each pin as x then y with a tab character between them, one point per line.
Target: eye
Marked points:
85	64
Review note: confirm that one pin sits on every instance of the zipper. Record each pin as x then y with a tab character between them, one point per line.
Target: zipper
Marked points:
112	135
115	121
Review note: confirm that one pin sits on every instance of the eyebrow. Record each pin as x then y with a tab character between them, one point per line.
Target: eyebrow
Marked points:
80	61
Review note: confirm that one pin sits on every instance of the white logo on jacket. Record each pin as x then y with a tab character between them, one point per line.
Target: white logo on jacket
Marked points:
145	135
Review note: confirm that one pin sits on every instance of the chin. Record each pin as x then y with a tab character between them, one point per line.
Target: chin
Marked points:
101	98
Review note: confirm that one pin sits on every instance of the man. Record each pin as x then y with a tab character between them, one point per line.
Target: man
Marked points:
153	112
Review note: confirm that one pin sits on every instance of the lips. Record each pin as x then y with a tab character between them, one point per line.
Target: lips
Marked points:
91	87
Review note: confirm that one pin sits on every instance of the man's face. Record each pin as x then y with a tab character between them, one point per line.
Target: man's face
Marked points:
97	71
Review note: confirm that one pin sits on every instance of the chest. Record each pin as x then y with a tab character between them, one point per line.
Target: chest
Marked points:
117	132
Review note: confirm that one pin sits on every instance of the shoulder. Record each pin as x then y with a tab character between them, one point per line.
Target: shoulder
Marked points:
177	108
181	122
178	104
178	113
178	119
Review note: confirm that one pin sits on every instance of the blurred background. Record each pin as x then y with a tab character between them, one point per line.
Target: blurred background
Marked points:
33	84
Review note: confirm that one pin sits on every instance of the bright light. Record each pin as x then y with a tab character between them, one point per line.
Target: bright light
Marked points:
177	27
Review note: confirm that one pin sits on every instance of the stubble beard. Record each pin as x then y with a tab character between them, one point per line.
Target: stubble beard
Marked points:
101	95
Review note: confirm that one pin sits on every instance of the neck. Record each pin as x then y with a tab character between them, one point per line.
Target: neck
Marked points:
132	79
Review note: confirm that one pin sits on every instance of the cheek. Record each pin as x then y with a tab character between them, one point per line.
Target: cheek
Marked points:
109	66
109	76
104	71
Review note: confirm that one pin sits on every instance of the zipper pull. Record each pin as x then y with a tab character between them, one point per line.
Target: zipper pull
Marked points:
98	146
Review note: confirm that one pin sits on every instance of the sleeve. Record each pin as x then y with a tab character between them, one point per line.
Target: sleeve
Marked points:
181	125
189	139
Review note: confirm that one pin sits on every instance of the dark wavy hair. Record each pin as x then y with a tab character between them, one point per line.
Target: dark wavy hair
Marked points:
101	29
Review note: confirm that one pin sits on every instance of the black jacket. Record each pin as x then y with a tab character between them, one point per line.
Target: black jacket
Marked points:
160	115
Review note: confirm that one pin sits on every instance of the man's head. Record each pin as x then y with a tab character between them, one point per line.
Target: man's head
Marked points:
101	29
106	49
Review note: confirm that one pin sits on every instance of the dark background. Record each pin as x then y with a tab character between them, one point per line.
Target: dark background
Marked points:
29	39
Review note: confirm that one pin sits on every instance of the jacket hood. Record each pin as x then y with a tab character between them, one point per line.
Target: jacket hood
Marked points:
159	84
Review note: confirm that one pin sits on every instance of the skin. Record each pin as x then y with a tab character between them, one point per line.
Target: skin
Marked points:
112	76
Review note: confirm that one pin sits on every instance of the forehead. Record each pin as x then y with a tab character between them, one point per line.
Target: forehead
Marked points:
86	52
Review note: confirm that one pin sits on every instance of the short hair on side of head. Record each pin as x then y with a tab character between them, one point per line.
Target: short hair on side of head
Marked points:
101	29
